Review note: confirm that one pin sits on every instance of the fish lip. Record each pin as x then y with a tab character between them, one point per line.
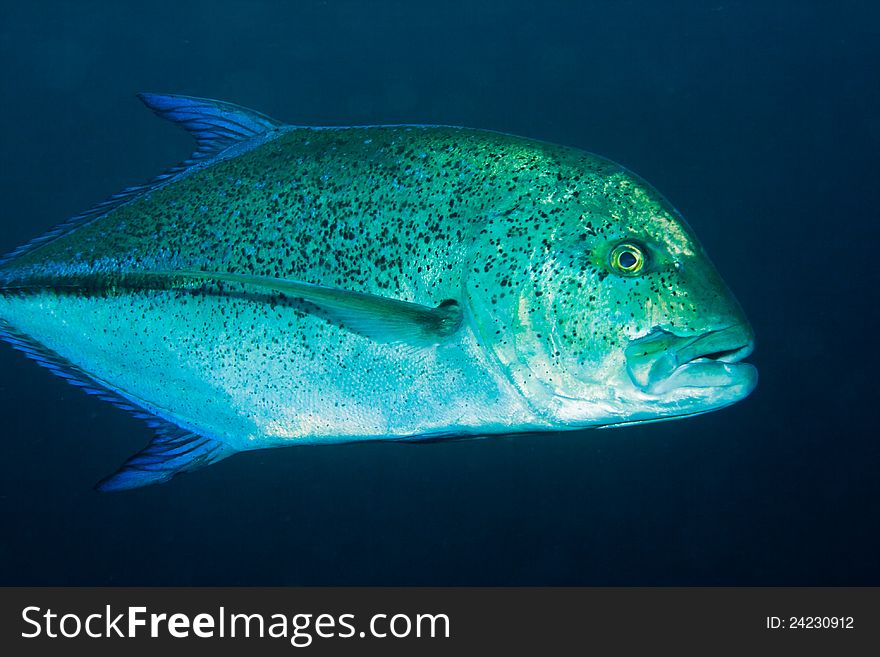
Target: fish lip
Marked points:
662	361
727	345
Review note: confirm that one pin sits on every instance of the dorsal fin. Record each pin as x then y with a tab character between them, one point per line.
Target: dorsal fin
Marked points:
214	125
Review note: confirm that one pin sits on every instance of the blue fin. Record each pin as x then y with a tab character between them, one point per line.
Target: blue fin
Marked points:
172	451
214	125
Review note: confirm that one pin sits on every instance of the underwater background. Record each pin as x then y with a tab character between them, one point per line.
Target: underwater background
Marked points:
759	120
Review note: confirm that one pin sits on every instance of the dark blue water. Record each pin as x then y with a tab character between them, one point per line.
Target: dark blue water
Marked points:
759	120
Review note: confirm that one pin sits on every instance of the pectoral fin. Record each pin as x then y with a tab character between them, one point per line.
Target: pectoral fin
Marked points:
378	318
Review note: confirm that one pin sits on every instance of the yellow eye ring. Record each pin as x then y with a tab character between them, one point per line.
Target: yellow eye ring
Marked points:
627	259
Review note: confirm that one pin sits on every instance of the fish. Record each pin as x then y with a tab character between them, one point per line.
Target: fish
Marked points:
291	285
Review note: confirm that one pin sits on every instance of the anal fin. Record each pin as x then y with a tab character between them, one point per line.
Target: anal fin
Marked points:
172	451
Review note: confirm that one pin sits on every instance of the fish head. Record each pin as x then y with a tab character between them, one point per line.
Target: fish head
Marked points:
611	313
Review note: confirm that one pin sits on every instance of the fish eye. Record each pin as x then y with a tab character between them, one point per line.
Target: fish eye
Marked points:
627	259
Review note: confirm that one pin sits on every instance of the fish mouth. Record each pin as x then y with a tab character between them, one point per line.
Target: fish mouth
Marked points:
662	362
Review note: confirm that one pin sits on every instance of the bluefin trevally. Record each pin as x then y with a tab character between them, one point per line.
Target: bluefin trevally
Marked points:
293	285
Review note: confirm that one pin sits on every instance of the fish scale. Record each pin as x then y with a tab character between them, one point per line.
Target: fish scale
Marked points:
291	285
